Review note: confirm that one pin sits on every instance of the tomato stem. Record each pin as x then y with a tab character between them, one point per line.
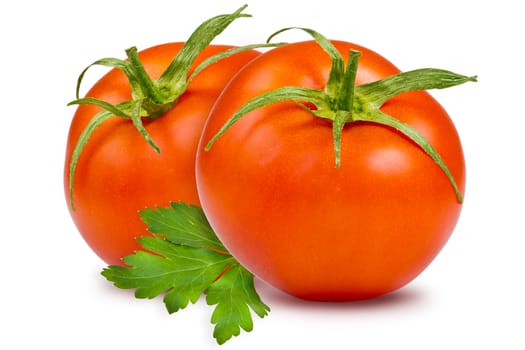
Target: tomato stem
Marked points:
153	98
346	96
145	87
342	102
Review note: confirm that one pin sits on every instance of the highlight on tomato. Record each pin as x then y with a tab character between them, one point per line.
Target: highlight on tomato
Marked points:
331	175
133	139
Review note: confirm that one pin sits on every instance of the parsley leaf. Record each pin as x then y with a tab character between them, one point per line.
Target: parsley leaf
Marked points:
233	293
185	260
184	272
182	224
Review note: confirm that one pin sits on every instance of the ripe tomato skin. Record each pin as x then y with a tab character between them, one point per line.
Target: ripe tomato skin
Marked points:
272	193
119	173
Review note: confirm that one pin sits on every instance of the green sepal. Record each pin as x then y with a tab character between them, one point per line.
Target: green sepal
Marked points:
299	95
136	118
379	117
94	123
129	109
107	62
378	92
227	53
334	80
116	110
176	73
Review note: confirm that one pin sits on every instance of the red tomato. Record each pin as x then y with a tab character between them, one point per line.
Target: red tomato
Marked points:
273	195
119	173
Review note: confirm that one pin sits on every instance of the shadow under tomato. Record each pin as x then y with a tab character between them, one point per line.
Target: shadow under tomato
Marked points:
407	296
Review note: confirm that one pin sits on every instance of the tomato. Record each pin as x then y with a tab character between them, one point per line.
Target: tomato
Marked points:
271	191
118	173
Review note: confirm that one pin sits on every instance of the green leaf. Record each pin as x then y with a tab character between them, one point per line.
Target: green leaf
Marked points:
182	224
234	294
185	260
184	272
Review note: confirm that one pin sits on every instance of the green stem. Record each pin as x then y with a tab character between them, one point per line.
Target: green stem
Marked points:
343	102
346	95
152	98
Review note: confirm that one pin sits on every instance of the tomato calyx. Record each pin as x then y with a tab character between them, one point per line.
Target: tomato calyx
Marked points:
153	98
342	102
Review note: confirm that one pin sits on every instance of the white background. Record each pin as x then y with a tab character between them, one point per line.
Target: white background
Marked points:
51	292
